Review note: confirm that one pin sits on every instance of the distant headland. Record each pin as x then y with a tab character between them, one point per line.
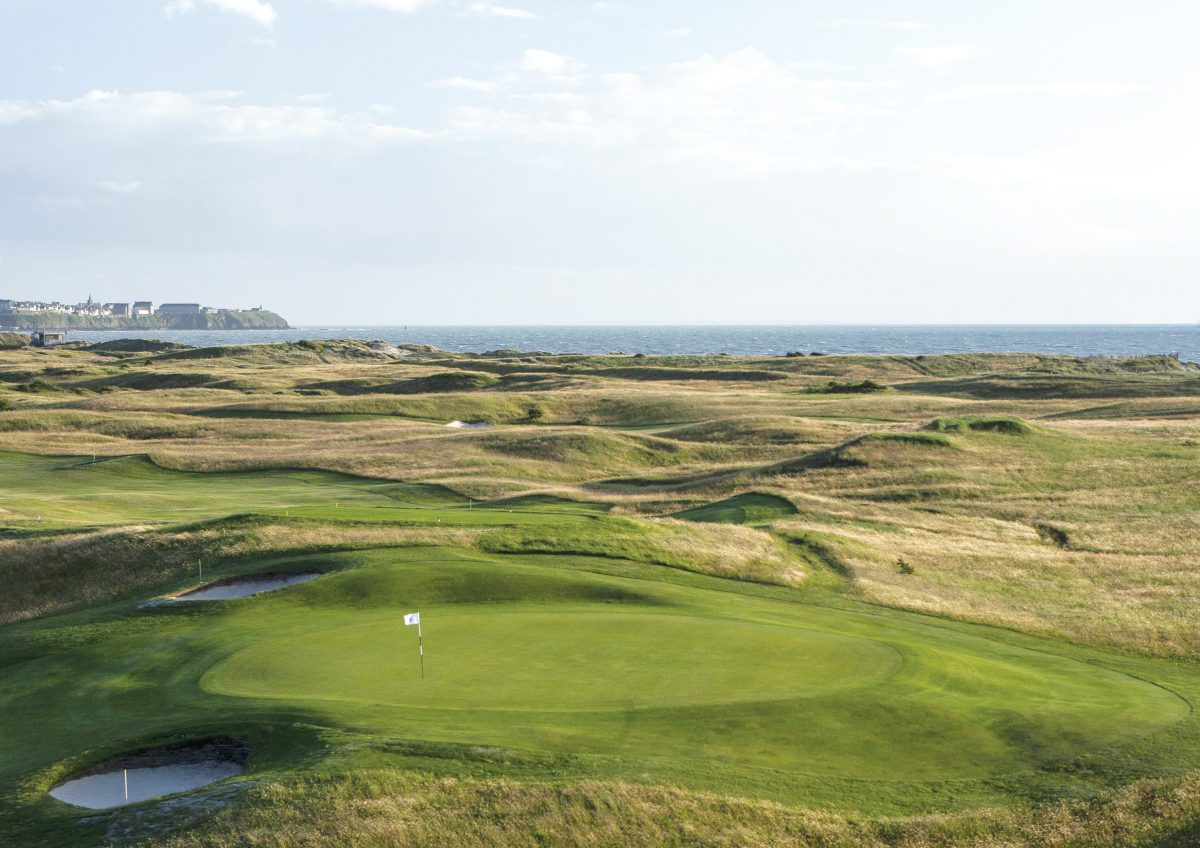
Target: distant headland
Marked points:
132	315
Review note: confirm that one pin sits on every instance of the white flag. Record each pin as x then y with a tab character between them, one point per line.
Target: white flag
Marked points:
412	618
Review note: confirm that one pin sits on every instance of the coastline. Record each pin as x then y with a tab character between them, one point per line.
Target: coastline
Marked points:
225	319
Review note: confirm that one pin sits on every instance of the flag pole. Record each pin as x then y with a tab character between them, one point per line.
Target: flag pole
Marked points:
421	649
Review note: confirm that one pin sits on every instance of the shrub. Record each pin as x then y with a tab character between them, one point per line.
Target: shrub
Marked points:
34	386
903	566
835	387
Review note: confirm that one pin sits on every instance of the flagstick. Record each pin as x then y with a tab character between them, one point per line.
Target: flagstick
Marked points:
126	784
421	649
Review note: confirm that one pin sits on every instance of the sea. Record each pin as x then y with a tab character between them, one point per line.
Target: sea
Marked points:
754	340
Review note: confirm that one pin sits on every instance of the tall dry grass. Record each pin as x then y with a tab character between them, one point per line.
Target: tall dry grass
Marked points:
390	809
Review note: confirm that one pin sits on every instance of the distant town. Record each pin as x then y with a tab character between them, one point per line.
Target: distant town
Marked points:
132	314
129	309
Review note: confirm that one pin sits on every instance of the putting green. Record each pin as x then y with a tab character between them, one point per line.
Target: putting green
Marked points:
630	668
491	660
615	672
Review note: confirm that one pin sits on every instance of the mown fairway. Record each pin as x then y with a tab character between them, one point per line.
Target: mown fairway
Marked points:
762	597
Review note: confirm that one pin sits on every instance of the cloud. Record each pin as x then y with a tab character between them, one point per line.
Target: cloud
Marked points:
548	63
679	32
937	56
467	83
874	23
1052	89
261	13
742	112
390	5
491	10
118	187
207	116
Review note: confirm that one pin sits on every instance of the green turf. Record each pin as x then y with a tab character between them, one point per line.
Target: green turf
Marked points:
748	508
51	492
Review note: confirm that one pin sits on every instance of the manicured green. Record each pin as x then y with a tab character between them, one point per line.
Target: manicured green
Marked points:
51	492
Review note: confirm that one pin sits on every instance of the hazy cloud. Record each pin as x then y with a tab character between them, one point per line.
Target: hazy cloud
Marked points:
119	187
263	14
743	111
391	5
936	56
1055	89
213	114
841	23
491	10
549	63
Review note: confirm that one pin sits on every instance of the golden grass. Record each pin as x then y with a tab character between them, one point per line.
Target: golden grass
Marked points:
41	576
1117	475
386	809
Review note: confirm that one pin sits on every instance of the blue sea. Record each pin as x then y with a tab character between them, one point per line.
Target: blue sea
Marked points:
1074	339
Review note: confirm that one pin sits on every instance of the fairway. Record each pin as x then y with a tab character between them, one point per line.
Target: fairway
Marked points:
77	491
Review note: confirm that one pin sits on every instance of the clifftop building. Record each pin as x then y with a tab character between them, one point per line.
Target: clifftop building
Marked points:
179	309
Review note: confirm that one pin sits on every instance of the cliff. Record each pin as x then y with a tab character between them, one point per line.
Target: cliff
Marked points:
225	319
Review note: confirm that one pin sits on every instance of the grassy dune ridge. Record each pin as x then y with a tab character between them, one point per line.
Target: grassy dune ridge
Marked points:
851	601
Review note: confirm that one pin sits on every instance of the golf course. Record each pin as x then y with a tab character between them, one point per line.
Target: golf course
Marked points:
699	608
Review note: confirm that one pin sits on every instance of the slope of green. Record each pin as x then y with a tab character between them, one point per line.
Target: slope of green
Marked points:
77	491
748	508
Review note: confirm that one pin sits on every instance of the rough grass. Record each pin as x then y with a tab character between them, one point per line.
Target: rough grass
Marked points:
378	809
738	552
44	575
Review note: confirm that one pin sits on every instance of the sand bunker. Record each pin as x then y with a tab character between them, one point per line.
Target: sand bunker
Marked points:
469	425
243	587
154	773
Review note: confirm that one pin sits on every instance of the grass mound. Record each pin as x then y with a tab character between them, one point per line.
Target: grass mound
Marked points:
586	449
1009	426
13	341
449	381
747	508
307	350
137	346
753	431
844	387
147	381
1059	387
653	373
872	449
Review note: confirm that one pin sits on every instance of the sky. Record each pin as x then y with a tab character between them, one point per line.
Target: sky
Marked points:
563	162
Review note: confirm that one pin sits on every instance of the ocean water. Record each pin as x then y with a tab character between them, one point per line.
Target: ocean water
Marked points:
1074	339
